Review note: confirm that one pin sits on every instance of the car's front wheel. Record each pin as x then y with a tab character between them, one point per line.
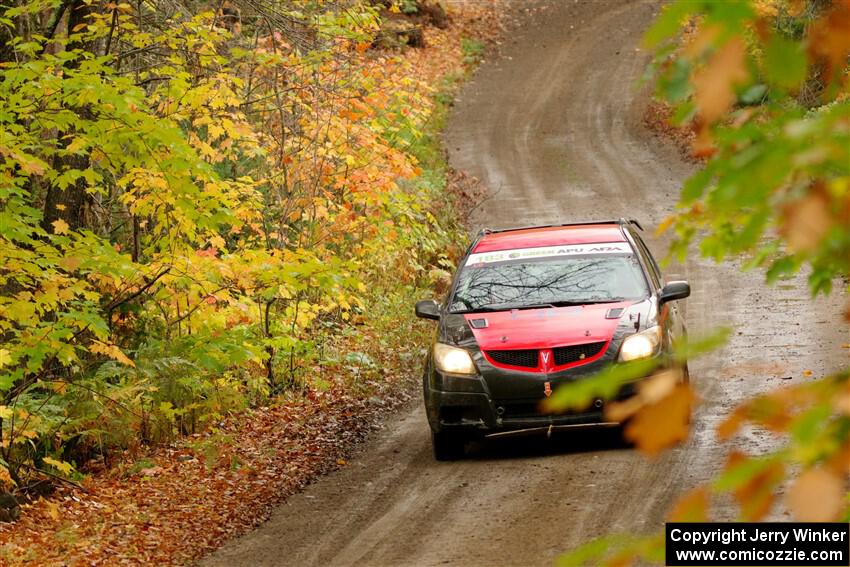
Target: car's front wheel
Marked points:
448	446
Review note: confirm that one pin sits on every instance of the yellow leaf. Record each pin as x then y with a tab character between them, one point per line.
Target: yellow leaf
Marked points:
817	496
111	351
60	226
218	242
215	131
5	357
6	412
664	225
61	466
52	509
76	145
5	477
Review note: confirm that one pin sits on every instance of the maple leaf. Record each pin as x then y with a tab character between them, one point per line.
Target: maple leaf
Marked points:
60	226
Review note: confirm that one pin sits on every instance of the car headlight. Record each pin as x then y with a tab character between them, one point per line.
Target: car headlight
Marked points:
641	345
453	360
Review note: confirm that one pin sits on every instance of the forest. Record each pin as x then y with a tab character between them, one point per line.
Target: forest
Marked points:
207	208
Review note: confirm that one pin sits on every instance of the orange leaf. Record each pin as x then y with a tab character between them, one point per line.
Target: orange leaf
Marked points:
757	494
691	506
806	221
662	424
714	86
828	37
816	496
730	426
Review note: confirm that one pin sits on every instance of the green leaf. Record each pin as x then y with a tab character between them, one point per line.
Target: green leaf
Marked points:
784	62
669	22
753	95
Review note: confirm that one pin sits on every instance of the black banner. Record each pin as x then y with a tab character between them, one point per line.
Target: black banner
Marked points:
758	544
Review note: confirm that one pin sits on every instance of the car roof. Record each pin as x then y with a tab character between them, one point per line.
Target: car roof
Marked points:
550	236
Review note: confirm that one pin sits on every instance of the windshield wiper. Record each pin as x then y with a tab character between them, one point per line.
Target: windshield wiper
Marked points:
492	308
587	302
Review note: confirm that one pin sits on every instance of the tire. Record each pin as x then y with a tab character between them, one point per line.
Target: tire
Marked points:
447	446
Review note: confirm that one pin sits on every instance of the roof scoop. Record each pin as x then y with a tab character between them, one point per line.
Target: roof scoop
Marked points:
615	313
478	323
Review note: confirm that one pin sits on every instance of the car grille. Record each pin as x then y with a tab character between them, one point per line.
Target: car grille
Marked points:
526	358
574	353
529	358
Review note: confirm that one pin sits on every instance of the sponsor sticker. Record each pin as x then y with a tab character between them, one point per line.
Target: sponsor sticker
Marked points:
548	252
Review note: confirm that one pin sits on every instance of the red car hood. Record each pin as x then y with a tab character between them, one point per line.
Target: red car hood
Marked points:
545	328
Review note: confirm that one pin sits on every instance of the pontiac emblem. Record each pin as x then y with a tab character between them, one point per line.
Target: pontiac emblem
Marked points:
547	389
582	356
546	362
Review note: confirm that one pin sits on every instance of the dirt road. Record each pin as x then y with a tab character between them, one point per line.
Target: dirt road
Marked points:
553	127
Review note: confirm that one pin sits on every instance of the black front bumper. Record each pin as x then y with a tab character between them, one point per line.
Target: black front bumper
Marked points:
465	404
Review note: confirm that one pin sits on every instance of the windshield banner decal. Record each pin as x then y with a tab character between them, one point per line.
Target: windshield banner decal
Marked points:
548	252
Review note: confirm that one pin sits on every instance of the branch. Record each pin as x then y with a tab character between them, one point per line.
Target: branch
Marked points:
53	24
140	291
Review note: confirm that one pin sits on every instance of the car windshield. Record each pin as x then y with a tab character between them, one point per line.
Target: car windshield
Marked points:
548	281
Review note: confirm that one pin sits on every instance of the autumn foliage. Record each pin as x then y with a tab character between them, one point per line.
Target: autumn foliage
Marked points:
196	214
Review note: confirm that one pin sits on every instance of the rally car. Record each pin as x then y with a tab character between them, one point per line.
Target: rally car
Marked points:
533	308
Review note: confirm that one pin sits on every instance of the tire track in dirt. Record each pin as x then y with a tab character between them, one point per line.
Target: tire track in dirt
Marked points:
553	126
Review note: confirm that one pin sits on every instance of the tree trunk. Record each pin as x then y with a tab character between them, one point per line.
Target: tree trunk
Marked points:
70	204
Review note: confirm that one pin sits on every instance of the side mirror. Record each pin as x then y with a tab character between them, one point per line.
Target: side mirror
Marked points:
428	309
673	291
